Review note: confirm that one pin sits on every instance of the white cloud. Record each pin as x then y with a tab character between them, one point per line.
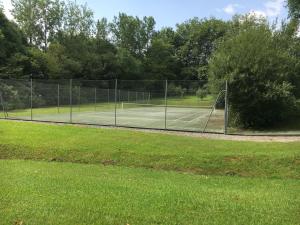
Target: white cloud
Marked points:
272	8
7	8
231	9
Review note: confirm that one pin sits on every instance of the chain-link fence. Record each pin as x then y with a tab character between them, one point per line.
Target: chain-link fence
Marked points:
156	104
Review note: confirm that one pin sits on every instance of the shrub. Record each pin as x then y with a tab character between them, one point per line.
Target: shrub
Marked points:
259	72
202	93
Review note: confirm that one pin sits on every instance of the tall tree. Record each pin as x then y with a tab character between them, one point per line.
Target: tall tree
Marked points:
49	20
102	29
196	41
160	62
26	14
12	45
78	19
132	34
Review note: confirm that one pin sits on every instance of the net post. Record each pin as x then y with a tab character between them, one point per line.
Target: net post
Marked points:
58	97
116	99
128	96
166	103
71	92
31	95
95	99
226	109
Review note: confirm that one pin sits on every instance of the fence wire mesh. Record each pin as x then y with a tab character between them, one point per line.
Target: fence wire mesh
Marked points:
156	104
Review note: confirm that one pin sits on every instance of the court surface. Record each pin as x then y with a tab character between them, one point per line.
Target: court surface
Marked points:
177	118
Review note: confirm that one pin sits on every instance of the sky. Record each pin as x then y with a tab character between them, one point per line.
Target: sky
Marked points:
168	13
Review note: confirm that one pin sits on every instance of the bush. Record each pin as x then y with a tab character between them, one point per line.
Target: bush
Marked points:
259	72
202	93
174	90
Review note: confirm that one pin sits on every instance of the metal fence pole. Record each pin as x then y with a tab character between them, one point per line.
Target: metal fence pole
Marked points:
79	97
166	103
58	98
116	99
108	99
226	110
31	94
3	107
95	99
136	97
71	109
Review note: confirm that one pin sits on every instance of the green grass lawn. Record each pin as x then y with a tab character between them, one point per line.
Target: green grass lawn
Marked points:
65	193
63	174
65	143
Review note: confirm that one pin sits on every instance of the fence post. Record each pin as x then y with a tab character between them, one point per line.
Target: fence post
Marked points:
226	109
58	98
79	97
116	99
31	94
136	97
95	99
108	98
166	103
71	92
2	103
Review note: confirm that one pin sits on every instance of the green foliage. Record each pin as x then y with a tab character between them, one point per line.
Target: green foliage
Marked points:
12	45
259	71
294	8
202	93
1	7
160	62
129	66
78	19
175	90
196	39
132	33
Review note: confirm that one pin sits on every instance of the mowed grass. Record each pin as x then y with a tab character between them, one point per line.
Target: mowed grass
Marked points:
65	193
63	174
65	143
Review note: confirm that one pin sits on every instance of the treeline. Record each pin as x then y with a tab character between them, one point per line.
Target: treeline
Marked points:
260	61
54	39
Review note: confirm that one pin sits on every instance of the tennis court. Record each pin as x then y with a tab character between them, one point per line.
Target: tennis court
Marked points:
200	119
139	104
